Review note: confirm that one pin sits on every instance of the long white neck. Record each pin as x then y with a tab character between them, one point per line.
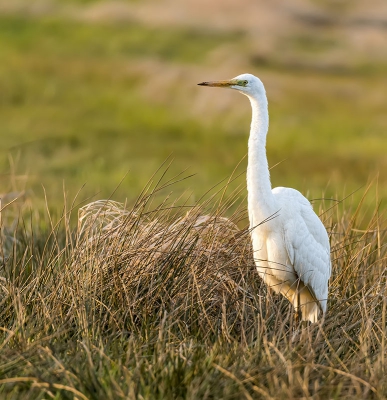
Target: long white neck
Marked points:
261	202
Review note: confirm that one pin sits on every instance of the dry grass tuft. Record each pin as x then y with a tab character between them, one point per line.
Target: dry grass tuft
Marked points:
191	268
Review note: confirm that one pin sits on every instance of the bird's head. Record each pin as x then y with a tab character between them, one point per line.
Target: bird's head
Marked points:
247	84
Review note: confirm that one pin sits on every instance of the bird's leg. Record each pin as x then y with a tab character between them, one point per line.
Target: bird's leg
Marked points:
300	328
305	324
270	292
297	317
297	310
296	324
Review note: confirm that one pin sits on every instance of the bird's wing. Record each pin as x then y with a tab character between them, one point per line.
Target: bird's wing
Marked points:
307	242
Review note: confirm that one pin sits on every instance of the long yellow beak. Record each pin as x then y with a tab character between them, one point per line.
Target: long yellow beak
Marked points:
218	83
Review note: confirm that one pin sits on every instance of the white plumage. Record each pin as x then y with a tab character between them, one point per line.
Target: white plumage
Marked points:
290	244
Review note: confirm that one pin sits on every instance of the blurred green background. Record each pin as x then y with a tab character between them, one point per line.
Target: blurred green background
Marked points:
93	90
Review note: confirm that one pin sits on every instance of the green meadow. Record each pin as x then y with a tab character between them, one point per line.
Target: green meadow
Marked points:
86	104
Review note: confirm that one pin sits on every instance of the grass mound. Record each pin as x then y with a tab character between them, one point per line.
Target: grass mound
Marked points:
160	302
149	266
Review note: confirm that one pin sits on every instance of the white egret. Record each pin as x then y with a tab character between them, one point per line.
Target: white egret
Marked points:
290	244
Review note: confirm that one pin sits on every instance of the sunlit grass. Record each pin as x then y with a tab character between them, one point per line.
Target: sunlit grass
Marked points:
145	300
158	301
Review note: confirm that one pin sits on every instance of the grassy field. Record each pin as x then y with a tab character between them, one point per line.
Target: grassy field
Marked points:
88	103
156	302
159	298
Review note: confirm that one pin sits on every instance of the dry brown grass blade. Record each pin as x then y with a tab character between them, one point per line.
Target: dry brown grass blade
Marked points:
36	383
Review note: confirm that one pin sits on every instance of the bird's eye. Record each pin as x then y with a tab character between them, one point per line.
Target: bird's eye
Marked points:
243	82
